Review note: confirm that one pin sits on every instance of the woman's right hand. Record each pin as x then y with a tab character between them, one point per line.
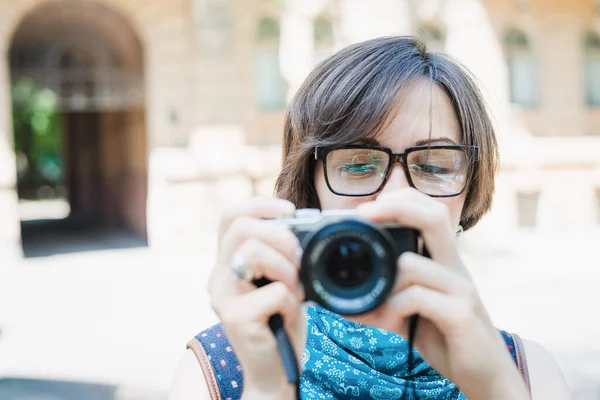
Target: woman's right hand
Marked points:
271	251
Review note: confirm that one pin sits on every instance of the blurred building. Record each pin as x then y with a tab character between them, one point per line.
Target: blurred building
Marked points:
172	109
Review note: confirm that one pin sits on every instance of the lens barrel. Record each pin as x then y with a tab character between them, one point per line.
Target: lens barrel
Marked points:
349	266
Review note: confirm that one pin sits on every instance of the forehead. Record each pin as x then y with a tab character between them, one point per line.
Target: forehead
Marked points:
422	110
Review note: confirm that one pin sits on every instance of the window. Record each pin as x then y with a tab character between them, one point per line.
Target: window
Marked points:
591	68
269	83
434	35
527	209
522	69
323	39
268	30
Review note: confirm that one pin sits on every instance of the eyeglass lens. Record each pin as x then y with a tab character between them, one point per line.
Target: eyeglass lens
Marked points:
362	171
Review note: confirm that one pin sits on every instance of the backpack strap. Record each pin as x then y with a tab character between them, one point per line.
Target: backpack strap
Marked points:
522	360
517	351
221	368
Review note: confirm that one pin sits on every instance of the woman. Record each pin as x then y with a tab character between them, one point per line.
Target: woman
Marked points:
400	135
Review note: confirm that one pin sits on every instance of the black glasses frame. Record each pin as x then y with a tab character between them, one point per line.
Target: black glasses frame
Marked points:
321	153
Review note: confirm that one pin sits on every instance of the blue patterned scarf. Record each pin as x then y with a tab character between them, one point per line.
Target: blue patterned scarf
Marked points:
344	359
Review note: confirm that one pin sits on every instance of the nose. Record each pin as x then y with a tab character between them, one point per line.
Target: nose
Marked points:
397	179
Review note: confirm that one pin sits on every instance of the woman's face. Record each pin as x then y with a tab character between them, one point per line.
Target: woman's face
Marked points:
422	113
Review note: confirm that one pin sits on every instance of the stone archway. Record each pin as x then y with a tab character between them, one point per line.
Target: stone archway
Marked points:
90	60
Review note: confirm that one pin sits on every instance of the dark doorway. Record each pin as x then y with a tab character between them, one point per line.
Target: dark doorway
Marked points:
79	126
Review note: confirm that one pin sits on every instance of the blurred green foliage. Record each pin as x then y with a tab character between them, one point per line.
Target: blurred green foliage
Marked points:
38	138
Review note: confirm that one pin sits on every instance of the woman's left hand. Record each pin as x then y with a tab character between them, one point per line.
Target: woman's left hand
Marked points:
455	334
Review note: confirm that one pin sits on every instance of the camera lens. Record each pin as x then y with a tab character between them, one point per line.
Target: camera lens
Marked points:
349	263
348	266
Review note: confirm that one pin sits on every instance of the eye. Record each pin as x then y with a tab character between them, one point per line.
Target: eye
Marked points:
431	169
358	169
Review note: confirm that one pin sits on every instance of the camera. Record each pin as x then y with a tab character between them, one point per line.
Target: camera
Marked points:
348	264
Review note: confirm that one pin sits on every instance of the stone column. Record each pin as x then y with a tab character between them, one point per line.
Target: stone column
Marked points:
208	68
221	59
297	44
10	232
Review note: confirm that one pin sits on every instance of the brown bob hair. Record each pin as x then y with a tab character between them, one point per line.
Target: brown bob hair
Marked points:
349	96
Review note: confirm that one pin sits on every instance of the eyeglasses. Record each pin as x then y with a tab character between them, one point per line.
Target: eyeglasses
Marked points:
362	170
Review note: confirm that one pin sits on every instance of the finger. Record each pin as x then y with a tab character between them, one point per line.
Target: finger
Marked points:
259	305
257	207
272	234
266	262
414	269
448	313
413	209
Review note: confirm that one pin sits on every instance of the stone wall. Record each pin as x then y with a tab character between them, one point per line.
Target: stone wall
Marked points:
200	101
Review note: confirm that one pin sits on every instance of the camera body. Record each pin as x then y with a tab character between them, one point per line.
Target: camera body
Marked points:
349	264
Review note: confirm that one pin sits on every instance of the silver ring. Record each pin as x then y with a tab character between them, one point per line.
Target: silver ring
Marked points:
239	270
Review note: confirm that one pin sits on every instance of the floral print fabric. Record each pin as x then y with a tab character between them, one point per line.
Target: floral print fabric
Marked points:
345	360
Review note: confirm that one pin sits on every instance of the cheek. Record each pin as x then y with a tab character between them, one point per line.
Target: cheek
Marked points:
455	205
329	200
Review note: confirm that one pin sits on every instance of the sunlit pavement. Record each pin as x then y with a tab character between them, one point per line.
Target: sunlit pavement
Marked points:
117	316
123	317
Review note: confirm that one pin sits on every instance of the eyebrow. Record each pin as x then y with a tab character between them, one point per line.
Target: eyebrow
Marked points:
425	142
435	140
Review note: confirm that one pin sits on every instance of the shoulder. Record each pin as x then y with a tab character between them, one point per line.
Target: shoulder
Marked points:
547	380
209	369
189	382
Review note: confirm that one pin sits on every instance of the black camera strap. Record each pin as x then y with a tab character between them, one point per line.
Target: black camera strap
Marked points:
284	345
286	352
412	332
